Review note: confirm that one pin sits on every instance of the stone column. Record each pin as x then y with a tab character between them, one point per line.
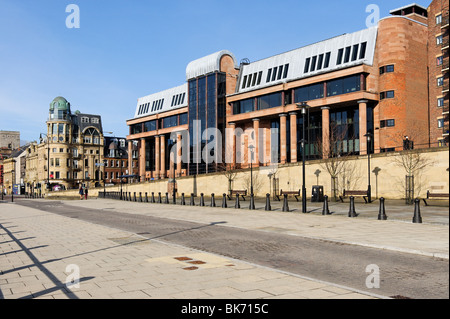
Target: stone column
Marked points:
130	157
178	174
256	142
157	157
293	145
362	126
283	138
142	160
163	156
231	145
325	131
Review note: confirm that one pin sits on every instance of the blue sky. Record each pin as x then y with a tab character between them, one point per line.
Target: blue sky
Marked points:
124	50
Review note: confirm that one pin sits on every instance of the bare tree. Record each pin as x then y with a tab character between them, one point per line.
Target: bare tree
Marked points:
257	180
230	172
335	154
414	163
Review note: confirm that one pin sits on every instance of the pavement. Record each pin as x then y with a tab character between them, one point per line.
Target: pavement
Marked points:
43	254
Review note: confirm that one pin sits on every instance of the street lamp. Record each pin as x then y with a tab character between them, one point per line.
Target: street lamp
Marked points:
121	174
48	158
369	188
13	179
252	200
303	106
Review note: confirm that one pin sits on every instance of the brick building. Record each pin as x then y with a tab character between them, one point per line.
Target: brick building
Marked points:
382	81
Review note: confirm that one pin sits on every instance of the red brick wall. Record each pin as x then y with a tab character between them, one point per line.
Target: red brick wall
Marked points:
436	7
403	43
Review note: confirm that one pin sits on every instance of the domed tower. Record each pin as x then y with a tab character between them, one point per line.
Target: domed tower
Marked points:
59	131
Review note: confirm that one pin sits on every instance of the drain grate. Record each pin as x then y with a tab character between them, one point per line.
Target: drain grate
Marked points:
182	258
190	268
197	262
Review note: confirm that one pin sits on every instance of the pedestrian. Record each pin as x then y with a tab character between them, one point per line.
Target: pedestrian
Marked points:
86	193
81	192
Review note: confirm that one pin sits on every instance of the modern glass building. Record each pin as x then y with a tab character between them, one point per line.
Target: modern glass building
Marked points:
370	82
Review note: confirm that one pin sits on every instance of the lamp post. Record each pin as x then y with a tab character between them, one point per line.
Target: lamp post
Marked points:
13	179
48	159
303	106
252	199
121	174
174	192
369	187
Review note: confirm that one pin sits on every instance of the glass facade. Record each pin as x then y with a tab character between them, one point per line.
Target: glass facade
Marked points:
344	131
307	93
207	105
244	106
313	136
344	85
268	101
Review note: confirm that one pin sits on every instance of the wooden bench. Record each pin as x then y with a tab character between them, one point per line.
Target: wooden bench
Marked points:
293	193
435	196
242	193
347	193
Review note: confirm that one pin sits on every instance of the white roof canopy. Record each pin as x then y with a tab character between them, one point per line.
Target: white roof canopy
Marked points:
321	57
207	64
163	101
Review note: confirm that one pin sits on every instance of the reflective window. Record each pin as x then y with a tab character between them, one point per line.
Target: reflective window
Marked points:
269	101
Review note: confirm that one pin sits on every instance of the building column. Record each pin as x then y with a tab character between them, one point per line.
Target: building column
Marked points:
157	157
230	156
362	126
256	142
163	156
283	138
293	145
178	174
142	160
325	132
130	158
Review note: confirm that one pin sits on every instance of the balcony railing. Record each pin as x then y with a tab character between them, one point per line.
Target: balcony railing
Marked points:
445	66
444	44
444	23
445	88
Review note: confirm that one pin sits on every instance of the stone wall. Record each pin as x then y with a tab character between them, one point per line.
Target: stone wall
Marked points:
389	181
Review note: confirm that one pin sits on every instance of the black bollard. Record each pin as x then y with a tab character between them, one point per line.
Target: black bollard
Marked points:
159	198
146	197
183	202
224	200
192	203
252	202
153	197
140	197
325	210
213	201
202	200
285	204
268	207
352	212
167	198
129	196
237	204
417	219
382	211
134	196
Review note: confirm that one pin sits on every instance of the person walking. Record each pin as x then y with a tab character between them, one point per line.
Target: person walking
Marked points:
86	193
81	192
